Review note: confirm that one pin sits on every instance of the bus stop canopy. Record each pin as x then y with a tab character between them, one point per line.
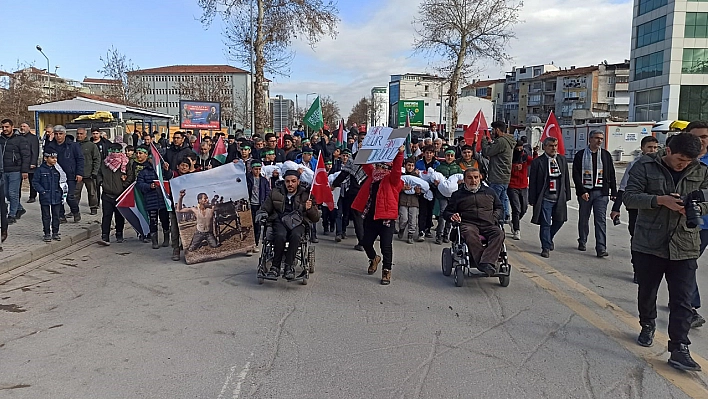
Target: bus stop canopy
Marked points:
83	105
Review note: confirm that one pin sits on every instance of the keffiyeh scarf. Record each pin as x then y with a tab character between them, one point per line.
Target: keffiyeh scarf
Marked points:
116	160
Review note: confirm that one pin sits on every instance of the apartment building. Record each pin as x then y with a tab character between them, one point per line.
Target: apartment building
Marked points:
513	90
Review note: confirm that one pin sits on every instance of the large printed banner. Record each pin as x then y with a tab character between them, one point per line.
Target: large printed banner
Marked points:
381	144
213	213
199	115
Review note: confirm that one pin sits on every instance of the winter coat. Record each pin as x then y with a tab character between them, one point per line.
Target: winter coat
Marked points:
16	155
102	145
33	143
113	184
449	169
263	188
46	182
133	169
660	231
174	154
609	181
520	177
482	209
500	153
422	166
538	186
69	156
274	204
154	200
387	196
92	158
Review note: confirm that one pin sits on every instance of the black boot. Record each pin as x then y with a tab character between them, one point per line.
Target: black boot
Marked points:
166	242
289	273
155	244
681	359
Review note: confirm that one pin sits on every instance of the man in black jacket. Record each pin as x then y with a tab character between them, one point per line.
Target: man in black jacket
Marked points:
33	143
595	183
71	159
16	166
271	142
177	150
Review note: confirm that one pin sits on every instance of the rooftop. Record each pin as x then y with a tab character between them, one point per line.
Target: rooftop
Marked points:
176	69
102	81
569	72
484	83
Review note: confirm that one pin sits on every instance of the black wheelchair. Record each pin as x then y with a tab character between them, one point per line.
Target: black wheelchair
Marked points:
458	258
304	258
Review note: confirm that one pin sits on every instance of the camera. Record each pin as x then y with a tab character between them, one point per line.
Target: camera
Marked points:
693	213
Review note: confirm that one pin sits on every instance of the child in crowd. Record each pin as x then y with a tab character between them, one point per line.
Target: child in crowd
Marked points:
49	180
130	151
408	207
114	178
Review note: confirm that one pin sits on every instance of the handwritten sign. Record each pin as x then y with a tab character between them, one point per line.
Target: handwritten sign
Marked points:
381	144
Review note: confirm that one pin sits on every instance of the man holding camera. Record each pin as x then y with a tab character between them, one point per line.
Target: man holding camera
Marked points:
666	241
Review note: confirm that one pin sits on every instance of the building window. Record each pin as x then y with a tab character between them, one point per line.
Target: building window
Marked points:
693	103
696	24
695	61
647	105
649	65
650	5
621	79
611	94
651	32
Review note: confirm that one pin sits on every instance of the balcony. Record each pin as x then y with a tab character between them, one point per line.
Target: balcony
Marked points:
621	86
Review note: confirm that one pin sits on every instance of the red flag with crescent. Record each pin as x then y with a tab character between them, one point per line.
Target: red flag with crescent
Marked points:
321	190
552	129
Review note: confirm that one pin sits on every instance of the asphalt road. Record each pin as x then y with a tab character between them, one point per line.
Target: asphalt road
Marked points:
126	322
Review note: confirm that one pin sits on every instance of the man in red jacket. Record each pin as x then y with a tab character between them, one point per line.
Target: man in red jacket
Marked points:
378	203
518	190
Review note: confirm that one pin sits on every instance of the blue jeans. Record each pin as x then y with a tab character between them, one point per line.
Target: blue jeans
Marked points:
500	189
549	227
13	181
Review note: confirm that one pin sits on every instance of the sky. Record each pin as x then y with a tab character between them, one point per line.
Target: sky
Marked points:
374	40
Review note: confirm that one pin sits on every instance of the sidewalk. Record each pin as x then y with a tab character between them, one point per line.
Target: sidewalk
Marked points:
24	241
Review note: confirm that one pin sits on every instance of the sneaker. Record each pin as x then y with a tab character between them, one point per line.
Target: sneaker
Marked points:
697	320
553	246
358	247
374	264
421	238
545	253
681	359
289	273
77	217
646	336
31	200
488	269
175	254
517	235
400	234
428	235
409	241
249	252
438	240
105	240
256	250
446	240
47	238
63	220
385	277
581	247
602	254
94	212
56	237
20	213
11	220
344	236
338	239
119	237
314	240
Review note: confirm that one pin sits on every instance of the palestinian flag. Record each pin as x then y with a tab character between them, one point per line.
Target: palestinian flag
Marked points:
157	161
131	205
220	150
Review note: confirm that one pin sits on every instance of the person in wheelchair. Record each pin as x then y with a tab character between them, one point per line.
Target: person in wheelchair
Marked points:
288	212
478	210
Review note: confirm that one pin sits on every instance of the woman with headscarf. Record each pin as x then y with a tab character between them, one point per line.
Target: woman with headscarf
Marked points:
378	203
518	190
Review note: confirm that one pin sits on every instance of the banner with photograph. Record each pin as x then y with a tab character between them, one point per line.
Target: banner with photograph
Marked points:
199	115
381	144
213	213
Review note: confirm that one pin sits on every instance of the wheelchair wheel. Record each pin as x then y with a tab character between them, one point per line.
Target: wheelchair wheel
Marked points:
504	281
459	276
310	260
446	262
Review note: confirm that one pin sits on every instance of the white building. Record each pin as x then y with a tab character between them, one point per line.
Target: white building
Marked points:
669	60
379	106
426	89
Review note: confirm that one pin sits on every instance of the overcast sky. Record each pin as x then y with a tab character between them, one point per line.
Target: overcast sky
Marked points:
374	41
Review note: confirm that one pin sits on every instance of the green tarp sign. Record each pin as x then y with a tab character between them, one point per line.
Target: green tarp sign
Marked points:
413	109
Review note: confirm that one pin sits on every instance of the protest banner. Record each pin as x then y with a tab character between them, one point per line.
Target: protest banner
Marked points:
199	115
381	144
213	213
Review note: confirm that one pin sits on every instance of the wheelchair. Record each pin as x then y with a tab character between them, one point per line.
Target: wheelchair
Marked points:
458	258
304	257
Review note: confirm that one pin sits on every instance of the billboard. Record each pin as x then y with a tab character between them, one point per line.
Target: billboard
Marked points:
199	115
413	109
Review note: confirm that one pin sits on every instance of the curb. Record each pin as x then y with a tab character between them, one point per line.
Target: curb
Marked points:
41	251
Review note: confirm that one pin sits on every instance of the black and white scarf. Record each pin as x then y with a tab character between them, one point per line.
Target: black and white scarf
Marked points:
588	172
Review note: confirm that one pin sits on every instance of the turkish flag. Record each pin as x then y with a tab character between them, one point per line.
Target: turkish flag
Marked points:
552	129
476	131
281	140
320	185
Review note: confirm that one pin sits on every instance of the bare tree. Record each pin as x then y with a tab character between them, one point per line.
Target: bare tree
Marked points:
20	90
211	89
459	33
360	112
268	30
241	109
330	112
116	66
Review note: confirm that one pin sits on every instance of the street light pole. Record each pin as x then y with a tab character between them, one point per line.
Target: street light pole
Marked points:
49	78
252	95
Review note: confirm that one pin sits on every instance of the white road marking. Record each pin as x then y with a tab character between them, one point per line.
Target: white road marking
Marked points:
240	378
227	382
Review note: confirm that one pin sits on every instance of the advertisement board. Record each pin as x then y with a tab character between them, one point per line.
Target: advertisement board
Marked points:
199	115
414	109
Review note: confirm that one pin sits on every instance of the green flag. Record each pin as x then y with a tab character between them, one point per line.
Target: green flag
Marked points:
313	117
